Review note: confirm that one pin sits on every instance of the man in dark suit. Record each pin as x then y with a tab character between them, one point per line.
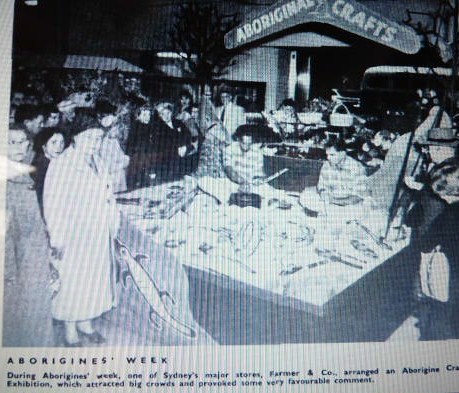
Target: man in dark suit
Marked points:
176	151
140	147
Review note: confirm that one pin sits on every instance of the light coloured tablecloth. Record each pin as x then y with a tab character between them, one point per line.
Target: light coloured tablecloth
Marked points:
271	248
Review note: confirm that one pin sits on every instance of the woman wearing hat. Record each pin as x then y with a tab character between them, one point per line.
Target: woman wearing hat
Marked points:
442	146
384	181
81	216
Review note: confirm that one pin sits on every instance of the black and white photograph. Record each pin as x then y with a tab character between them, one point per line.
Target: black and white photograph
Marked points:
238	172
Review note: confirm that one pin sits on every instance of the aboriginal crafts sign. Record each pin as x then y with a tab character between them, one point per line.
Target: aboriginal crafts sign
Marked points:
348	15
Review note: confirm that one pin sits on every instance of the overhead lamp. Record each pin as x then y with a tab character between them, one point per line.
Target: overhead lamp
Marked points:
31	3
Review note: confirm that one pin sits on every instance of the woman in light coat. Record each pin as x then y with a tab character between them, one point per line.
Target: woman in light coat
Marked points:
81	217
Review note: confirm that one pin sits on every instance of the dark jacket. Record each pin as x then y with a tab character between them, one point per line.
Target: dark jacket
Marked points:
140	138
143	153
444	231
167	141
426	208
153	149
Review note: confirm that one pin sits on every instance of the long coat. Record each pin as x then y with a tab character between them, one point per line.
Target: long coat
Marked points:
81	216
27	298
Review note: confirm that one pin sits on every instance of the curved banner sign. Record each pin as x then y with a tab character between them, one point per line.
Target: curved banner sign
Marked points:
348	15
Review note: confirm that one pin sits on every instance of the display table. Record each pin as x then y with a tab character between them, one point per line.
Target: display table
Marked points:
299	269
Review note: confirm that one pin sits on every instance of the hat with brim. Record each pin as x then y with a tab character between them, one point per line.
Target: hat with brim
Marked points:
442	137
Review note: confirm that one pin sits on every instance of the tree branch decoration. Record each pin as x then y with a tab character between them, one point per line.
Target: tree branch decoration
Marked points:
440	32
197	37
437	30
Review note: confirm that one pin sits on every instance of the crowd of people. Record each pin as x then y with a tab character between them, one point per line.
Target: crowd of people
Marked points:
69	155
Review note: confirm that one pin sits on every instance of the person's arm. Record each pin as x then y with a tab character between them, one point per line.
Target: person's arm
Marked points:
235	176
228	166
58	202
360	181
322	183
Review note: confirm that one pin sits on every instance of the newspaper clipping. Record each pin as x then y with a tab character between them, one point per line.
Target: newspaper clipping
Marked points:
229	195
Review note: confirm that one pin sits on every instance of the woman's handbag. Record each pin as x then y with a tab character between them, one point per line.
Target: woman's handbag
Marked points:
434	275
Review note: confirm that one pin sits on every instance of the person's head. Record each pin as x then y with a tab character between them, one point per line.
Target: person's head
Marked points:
244	136
336	152
52	116
185	99
288	106
383	139
195	112
18	143
67	110
131	84
226	95
50	141
428	99
143	114
88	132
17	99
106	113
164	110
31	116
444	180
246	142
